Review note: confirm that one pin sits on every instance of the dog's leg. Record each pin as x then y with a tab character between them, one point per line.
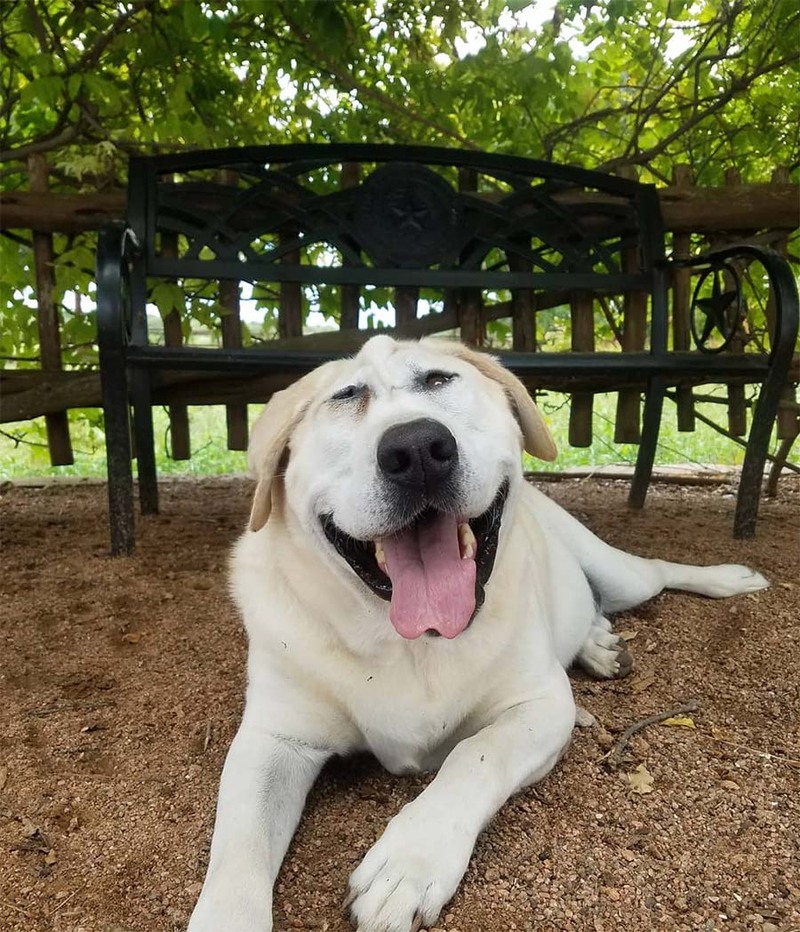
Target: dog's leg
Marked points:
414	868
623	580
263	788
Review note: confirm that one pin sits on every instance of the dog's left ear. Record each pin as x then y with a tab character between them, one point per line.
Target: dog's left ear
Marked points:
536	436
269	441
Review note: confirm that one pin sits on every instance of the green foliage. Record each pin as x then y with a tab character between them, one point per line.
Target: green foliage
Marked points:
603	83
599	83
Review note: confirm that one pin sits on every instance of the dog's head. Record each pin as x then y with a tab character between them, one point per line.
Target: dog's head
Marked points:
400	462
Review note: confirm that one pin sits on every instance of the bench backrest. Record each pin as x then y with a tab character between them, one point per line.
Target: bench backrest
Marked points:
404	217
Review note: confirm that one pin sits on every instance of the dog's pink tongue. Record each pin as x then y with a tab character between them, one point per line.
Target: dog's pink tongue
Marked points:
432	586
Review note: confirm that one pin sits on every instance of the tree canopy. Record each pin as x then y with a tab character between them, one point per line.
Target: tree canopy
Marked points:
601	83
644	85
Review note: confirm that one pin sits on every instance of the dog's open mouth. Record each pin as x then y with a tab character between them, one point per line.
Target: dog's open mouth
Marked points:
433	570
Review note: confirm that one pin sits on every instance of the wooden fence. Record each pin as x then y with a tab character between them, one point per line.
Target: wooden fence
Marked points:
695	217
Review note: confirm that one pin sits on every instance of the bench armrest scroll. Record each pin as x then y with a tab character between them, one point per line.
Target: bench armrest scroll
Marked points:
786	312
116	246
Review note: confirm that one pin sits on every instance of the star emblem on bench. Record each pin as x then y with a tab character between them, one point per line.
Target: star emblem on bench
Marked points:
409	215
715	315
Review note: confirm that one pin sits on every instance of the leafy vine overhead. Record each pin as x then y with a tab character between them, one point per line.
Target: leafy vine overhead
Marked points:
609	83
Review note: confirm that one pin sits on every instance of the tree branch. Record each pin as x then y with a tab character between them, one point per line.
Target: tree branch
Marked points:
319	58
717	103
61	135
92	54
614	757
643	115
45	144
38	28
568	129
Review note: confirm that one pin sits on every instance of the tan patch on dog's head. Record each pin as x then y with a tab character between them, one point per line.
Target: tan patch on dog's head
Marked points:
537	439
272	432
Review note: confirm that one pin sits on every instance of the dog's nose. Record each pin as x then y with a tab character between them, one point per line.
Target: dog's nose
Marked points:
419	454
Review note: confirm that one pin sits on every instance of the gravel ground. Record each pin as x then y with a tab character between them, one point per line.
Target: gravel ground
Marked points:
121	687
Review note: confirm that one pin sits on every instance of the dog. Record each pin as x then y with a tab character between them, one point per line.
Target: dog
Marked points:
406	592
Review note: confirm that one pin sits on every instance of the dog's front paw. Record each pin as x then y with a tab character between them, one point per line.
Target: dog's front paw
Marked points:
604	655
408	875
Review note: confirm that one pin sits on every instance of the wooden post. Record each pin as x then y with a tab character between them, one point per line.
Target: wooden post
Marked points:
737	405
290	309
180	444
350	294
470	300
581	405
681	298
706	210
405	307
57	424
231	328
634	328
523	311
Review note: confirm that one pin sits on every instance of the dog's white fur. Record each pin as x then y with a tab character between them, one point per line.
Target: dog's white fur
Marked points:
491	709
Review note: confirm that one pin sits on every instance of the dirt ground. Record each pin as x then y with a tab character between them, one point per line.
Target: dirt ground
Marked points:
121	687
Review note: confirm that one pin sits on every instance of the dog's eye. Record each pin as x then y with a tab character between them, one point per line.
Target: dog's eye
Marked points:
349	391
435	379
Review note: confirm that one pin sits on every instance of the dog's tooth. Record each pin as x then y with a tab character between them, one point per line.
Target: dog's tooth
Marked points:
467	541
380	555
465	534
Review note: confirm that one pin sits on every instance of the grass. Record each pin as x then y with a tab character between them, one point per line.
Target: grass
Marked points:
23	447
27	456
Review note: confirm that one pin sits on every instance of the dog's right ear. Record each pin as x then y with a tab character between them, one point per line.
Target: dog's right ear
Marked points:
269	441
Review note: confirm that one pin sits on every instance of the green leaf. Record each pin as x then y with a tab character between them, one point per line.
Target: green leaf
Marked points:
167	297
47	91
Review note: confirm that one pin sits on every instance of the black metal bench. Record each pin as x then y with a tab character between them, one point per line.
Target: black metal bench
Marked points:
460	229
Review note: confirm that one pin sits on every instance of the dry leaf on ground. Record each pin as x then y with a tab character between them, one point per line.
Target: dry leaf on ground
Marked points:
641	780
679	721
643	683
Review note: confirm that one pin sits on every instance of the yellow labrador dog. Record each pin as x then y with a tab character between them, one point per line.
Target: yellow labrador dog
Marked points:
407	593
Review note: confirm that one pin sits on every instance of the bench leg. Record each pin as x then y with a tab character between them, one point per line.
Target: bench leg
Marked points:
116	421
651	423
111	338
145	442
755	458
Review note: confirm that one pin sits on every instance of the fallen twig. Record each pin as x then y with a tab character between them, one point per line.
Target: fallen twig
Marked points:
768	755
68	898
16	909
614	756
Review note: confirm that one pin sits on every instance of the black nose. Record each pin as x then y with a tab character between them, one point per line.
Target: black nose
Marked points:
419	454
